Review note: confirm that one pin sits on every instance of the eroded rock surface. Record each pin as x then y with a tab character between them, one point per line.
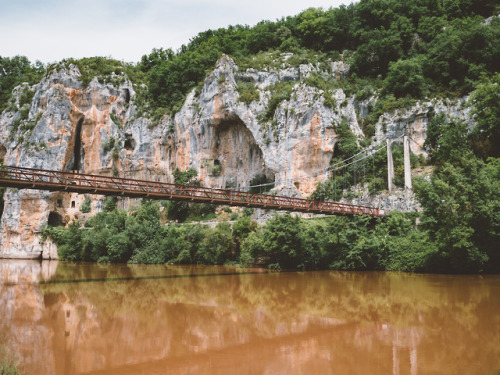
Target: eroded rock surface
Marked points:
96	130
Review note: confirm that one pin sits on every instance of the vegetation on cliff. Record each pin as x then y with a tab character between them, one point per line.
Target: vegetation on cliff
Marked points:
13	72
458	230
414	47
398	51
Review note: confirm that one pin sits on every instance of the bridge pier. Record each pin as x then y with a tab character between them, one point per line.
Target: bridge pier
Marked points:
406	148
390	165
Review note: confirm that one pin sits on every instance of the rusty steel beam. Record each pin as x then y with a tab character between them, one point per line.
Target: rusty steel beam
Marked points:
39	179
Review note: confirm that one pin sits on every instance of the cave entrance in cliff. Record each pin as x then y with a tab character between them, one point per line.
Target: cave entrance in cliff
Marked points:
236	153
3	152
77	149
55	220
129	142
126	94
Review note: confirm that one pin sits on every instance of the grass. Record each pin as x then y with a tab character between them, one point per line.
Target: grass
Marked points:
8	368
8	361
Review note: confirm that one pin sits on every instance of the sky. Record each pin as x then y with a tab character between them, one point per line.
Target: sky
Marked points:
51	30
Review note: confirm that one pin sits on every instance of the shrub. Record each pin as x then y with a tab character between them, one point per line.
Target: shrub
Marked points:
109	144
405	78
248	92
215	170
279	92
86	205
110	204
248	211
26	97
115	120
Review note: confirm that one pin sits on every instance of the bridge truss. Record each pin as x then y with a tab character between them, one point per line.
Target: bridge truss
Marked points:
39	179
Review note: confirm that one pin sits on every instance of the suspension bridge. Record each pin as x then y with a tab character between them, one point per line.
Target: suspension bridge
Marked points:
39	179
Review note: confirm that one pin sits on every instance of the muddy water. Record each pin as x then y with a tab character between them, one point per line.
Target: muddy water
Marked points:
63	318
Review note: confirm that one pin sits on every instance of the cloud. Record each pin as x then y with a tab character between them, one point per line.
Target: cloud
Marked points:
51	30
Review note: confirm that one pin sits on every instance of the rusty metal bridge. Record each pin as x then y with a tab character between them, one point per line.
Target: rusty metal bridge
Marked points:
39	179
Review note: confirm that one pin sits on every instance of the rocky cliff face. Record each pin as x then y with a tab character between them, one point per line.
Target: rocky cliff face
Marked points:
96	130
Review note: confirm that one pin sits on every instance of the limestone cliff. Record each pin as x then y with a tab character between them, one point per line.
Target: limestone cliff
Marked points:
96	129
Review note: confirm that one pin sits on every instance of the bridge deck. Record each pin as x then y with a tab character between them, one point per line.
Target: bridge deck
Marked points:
28	178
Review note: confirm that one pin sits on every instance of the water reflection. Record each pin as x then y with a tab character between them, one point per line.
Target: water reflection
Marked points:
64	318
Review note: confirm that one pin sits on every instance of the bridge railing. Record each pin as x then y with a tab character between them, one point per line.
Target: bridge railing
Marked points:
106	185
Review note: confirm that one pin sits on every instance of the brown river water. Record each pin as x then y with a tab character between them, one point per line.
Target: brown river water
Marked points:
62	318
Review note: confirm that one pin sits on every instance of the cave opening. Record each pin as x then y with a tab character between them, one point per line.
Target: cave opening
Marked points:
234	146
55	220
3	152
126	93
129	143
76	165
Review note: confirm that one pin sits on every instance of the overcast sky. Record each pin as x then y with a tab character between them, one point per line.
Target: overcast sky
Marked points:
50	30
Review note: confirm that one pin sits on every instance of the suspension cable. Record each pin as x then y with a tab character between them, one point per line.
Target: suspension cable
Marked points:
334	167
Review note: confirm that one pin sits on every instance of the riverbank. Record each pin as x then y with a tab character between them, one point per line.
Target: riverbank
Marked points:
283	242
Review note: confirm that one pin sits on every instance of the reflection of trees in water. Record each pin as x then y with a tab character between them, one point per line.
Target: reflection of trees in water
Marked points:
394	316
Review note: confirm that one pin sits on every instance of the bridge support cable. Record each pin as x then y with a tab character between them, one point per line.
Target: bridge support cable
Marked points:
341	165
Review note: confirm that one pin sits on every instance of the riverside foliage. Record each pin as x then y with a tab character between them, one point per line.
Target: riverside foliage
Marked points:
411	49
458	230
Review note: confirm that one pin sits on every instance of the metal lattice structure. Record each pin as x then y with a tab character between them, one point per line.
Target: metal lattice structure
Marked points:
39	179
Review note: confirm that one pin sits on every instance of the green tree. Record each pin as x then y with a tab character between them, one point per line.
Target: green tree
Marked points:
216	246
485	101
462	214
180	210
14	71
241	230
434	131
355	247
70	243
110	204
405	78
448	140
377	49
284	242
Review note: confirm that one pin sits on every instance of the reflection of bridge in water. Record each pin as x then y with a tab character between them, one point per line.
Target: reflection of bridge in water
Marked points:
39	179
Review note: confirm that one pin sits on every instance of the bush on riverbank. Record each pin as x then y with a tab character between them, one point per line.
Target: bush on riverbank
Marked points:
397	242
342	243
457	232
139	237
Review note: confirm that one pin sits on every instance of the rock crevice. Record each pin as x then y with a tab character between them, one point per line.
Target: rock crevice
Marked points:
94	130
